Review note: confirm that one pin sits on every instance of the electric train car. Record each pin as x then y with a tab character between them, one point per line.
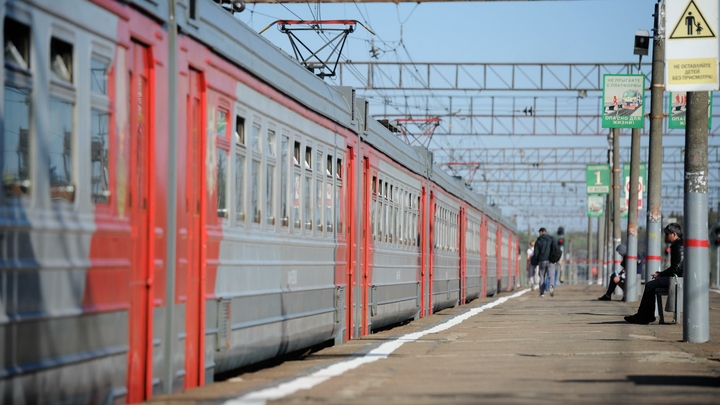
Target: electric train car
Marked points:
283	218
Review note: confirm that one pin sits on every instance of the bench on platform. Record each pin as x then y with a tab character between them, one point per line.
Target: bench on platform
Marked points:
674	301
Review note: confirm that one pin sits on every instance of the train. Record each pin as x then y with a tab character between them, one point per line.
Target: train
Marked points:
181	199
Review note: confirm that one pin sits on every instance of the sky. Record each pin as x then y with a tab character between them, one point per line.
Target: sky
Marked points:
569	31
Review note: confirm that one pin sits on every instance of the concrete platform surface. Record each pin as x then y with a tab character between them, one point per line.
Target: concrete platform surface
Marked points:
514	348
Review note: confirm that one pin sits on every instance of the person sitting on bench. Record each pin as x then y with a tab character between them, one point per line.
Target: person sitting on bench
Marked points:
617	280
646	311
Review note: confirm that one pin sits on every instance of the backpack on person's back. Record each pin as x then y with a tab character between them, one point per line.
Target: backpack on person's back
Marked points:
555	252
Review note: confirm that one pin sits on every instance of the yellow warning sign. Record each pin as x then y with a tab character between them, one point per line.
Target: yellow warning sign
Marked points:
692	71
692	24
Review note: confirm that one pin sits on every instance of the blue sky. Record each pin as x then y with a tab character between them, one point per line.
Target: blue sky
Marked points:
571	31
502	31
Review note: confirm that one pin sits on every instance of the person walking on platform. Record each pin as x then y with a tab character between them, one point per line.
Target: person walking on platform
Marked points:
646	311
531	268
617	280
541	257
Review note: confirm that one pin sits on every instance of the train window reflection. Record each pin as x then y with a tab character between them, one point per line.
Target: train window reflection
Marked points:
98	76
271	142
255	192
296	201
239	187
255	137
16	142
100	156
222	210
61	150
306	202
283	180
270	195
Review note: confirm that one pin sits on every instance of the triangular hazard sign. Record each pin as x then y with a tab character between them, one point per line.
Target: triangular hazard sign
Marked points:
692	24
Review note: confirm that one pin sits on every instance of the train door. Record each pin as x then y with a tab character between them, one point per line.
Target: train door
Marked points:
194	175
431	252
365	275
351	238
423	238
139	367
462	236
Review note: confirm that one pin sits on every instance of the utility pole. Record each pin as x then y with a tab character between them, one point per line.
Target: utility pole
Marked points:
617	232
601	264
654	217
696	300
590	252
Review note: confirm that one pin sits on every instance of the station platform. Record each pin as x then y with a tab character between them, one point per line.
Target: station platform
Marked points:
514	348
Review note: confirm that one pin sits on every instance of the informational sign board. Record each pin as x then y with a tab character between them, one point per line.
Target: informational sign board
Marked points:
595	205
691	47
642	176
623	101
597	179
678	110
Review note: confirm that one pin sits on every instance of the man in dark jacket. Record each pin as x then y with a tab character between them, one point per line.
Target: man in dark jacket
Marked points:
646	312
541	258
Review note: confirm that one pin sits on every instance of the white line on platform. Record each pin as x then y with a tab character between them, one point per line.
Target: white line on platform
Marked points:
715	291
334	370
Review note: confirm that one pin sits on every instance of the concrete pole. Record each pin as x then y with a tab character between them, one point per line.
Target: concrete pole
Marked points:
590	252
173	73
616	184
631	281
654	217
696	300
601	264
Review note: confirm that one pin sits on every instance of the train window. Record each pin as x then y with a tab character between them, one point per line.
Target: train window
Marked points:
61	149
255	137
270	195
239	187
98	76
222	210
296	201
296	154
338	208
329	168
308	158
271	142
381	187
284	144
339	171
373	185
221	124
239	130
99	156
255	192
306	203
328	207
318	162
16	141
61	62
318	204
17	44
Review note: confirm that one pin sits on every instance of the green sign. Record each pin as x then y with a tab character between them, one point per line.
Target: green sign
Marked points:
595	205
597	178
677	113
623	101
642	184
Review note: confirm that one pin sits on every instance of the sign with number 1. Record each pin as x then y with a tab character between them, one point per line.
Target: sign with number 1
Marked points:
597	179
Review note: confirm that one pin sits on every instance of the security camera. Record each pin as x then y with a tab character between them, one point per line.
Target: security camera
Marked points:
642	42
